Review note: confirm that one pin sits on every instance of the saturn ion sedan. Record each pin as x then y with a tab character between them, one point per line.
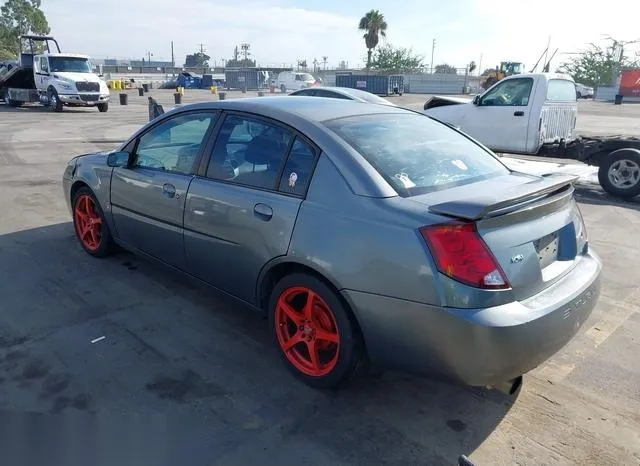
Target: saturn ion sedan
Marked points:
367	233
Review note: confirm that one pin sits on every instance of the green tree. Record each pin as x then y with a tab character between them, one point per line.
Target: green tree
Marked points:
445	69
20	17
598	65
374	27
396	59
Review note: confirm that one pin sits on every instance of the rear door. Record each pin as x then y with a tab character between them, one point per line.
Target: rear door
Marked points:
501	119
242	207
148	197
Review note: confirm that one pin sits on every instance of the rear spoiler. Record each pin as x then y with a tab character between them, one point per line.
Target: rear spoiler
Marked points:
504	202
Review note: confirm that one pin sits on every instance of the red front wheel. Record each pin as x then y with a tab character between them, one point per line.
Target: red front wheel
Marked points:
315	333
91	228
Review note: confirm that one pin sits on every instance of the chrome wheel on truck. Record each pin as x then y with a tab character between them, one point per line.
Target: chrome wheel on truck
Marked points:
619	174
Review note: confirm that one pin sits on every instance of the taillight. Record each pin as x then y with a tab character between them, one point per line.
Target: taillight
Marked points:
460	253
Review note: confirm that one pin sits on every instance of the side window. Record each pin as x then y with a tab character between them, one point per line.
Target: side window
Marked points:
249	152
307	92
297	172
511	93
44	65
561	90
174	144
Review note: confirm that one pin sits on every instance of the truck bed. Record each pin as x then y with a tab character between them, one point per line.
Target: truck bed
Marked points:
18	77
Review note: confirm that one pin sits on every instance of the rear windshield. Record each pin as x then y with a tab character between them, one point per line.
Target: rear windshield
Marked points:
561	90
416	154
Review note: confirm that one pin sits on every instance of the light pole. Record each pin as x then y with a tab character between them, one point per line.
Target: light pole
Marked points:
433	49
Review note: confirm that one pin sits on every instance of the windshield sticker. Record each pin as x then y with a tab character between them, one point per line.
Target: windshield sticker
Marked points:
404	179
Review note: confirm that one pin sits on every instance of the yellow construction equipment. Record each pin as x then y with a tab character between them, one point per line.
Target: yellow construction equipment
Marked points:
507	68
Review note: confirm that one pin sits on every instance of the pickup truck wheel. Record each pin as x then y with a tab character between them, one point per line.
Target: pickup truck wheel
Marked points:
619	174
102	108
54	101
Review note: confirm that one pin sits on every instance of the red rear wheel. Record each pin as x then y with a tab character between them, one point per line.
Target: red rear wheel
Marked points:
315	333
91	229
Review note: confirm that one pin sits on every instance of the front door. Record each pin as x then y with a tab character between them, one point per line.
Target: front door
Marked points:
501	119
42	73
148	197
241	213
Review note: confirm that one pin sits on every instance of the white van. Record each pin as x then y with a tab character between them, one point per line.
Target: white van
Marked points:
294	80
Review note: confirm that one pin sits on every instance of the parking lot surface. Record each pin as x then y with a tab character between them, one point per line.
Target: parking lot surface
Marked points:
128	341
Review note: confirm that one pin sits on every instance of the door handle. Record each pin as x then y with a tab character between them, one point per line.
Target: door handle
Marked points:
518	113
169	190
263	211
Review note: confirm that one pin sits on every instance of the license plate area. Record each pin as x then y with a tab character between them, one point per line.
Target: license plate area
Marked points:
547	249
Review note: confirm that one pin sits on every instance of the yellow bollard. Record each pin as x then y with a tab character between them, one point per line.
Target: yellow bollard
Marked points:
214	89
182	90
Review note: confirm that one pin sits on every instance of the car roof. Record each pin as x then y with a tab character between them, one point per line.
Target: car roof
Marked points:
317	109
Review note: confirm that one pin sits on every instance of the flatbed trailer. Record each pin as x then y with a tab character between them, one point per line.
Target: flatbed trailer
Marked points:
617	159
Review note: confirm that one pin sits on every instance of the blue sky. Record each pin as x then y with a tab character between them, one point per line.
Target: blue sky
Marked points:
281	31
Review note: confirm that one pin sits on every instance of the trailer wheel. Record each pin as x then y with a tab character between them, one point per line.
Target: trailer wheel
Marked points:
619	173
54	101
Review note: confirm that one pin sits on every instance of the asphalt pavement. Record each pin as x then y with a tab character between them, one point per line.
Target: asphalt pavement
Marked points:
127	362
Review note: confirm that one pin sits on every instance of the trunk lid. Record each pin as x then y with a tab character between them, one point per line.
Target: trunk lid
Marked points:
531	224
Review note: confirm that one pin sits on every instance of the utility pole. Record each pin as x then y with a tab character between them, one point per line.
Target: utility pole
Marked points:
433	49
202	57
324	61
480	66
149	55
173	58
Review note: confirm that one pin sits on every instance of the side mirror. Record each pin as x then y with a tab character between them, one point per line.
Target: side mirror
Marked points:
476	100
118	159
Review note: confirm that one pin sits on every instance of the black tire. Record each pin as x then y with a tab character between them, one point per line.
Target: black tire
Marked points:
350	350
578	95
614	161
102	108
54	101
106	245
283	88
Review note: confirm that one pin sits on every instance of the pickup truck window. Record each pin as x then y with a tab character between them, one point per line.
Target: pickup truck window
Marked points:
511	93
561	90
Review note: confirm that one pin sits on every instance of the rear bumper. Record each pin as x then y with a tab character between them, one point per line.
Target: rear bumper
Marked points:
477	346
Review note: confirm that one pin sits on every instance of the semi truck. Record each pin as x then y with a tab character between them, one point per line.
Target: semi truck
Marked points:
43	74
536	114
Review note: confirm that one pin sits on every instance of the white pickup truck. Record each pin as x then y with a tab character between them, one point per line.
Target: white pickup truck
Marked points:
51	78
536	114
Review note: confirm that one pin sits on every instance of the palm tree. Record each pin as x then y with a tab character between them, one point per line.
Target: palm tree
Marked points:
374	27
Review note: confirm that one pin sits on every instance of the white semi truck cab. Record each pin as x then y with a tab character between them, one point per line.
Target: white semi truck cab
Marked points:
52	78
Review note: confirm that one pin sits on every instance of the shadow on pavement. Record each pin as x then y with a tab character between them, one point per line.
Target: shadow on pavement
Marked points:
593	194
173	347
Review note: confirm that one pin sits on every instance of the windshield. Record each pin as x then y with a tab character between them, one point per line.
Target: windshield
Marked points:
304	77
69	64
416	154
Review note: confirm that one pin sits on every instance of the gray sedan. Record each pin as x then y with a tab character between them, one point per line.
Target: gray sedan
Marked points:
366	233
344	93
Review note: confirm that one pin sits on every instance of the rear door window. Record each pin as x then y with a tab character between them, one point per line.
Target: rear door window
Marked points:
415	153
561	90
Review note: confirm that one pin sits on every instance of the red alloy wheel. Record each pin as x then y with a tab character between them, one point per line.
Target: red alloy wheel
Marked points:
88	222
307	331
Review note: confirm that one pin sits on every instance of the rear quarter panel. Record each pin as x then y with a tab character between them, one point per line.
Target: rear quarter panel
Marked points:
361	243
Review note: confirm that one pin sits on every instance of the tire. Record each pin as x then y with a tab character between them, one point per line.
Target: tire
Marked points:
283	88
619	173
578	95
102	108
89	223
337	354
54	101
10	102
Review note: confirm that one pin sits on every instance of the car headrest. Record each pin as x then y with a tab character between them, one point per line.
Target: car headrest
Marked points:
263	150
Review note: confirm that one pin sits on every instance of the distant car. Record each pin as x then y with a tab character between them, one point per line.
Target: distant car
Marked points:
364	232
294	80
345	93
583	92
